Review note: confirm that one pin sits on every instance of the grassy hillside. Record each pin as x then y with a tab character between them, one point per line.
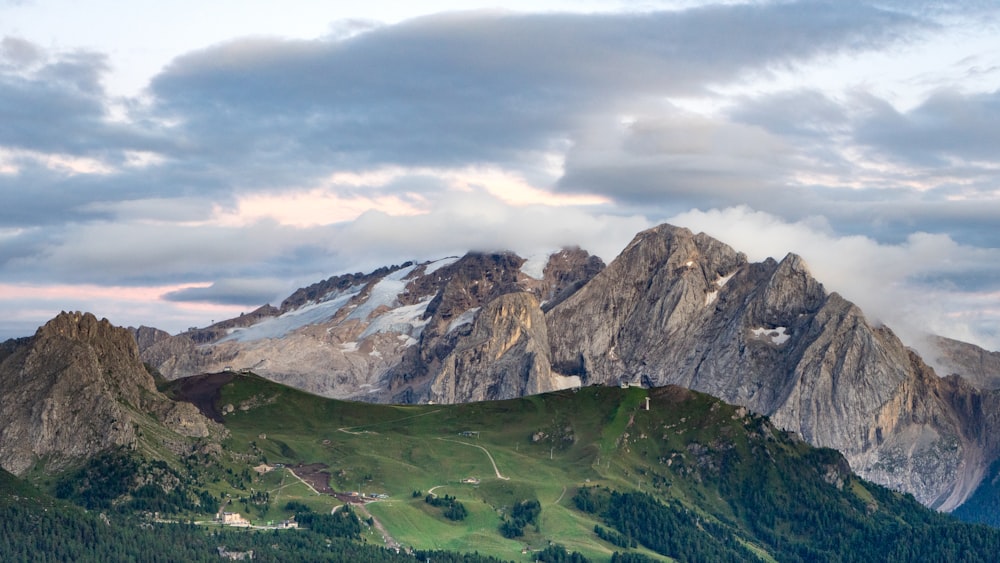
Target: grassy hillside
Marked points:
731	481
588	474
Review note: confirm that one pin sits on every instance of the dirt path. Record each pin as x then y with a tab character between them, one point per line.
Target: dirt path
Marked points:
561	495
390	542
347	429
495	469
304	482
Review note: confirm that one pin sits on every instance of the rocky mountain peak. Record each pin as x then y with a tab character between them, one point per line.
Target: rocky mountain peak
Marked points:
77	388
978	366
565	272
474	279
77	326
792	291
146	336
88	342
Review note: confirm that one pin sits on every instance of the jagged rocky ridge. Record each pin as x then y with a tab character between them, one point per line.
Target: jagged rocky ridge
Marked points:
78	388
383	336
673	308
980	367
684	309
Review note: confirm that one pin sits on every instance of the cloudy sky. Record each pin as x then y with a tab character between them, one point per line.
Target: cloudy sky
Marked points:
175	163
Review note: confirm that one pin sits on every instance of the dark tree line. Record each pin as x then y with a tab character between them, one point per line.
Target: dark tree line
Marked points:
63	533
453	508
524	513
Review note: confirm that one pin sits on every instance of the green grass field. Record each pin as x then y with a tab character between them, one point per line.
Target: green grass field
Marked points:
688	449
544	448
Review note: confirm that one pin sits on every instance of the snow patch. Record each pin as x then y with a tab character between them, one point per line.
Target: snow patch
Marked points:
349	346
689	263
406	320
778	335
534	264
382	293
438	264
723	279
719	282
566	382
280	326
464	319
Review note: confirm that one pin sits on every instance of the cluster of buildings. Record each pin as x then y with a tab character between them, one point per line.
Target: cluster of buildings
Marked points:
236	519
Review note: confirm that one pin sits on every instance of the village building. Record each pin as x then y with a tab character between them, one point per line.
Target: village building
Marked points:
234	519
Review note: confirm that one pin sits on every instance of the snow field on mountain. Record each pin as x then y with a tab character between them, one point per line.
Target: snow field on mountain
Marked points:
282	325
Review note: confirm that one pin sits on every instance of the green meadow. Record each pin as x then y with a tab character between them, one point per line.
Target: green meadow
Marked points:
543	448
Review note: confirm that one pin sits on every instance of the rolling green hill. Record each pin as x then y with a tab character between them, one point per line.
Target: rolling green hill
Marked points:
586	474
735	485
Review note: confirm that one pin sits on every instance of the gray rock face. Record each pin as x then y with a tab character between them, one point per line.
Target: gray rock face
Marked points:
678	308
383	336
979	367
75	389
504	356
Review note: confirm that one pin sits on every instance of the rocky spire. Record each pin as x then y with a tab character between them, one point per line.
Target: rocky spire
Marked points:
76	388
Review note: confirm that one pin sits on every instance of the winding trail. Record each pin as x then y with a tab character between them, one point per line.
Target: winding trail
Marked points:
488	454
347	429
561	495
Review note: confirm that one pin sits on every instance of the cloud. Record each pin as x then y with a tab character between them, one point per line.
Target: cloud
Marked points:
23	308
677	159
949	128
103	252
482	86
252	292
479	221
796	154
19	52
53	105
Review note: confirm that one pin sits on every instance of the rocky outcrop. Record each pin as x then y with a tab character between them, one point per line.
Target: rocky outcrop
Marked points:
381	336
504	355
78	388
147	337
978	366
566	272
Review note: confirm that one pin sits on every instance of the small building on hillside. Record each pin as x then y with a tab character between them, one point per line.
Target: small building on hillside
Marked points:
234	519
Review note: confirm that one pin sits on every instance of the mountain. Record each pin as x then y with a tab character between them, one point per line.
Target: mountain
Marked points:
684	309
382	336
78	388
673	308
978	366
591	474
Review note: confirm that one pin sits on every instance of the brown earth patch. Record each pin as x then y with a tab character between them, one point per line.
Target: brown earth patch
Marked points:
202	391
316	474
